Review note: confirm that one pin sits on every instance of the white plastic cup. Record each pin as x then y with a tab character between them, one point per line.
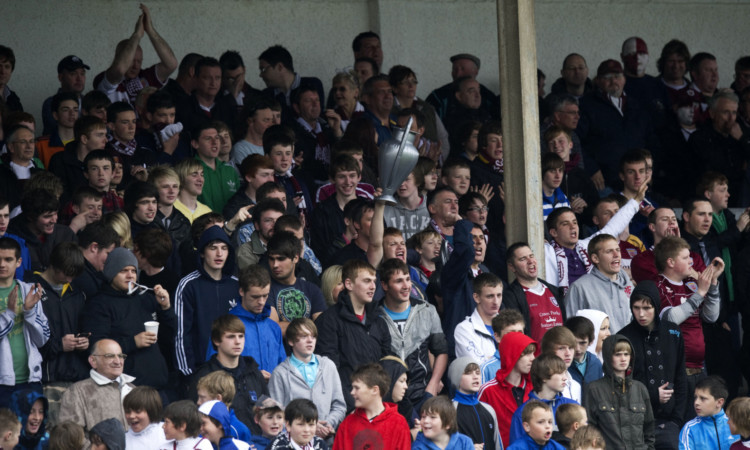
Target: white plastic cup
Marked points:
152	327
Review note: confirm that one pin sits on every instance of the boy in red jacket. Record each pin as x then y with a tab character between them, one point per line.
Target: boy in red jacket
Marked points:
512	385
373	424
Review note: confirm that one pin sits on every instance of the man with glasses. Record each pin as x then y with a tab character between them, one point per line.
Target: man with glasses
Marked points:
565	114
99	397
21	164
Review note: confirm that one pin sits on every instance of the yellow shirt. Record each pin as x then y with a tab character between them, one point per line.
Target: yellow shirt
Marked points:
192	215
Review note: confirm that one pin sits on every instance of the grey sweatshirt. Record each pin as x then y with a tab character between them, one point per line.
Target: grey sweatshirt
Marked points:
595	291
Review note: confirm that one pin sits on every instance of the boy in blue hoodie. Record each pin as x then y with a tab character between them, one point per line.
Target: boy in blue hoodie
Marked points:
202	296
710	429
219	385
262	335
549	377
537	419
31	408
475	419
214	423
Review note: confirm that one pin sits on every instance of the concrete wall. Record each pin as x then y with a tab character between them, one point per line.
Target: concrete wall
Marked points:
418	33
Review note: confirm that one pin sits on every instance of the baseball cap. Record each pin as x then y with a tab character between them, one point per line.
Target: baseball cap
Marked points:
609	66
71	63
468	56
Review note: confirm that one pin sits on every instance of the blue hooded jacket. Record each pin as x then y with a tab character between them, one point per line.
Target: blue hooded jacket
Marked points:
516	424
707	432
263	340
199	300
219	412
21	403
458	442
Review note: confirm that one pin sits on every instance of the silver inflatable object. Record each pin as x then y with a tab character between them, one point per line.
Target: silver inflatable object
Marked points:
396	159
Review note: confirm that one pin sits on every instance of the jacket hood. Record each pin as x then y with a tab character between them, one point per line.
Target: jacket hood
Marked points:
111	432
647	289
395	367
608	349
511	347
390	410
240	311
21	403
596	317
219	411
215	233
622	278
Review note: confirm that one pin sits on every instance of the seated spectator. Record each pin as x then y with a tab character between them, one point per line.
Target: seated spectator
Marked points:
118	313
215	426
32	409
37	225
549	378
475	419
634	426
66	436
463	64
65	112
182	426
277	71
107	435
169	218
190	172
373	421
607	287
439	427
10	426
17	166
561	342
309	376
99	167
219	385
255	170
204	295
506	321
474	336
537	420
99	397
348	340
516	355
228	339
300	417
143	410
569	418
575	77
269	415
221	180
262	334
586	365
264	218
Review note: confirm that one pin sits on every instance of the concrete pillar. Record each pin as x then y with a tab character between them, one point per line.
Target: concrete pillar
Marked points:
520	115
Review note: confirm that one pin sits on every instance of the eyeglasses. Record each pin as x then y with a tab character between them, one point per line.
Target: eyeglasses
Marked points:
478	209
112	356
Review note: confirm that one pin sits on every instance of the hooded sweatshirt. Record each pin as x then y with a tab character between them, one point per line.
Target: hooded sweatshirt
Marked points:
596	291
199	300
596	317
21	403
218	411
395	368
620	407
386	430
498	393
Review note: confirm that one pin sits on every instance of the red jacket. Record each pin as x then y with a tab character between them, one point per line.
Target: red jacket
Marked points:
388	430
498	392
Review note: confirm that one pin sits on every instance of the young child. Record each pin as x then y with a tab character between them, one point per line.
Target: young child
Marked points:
569	418
269	415
182	427
10	429
107	435
398	371
738	417
475	419
219	385
512	384
560	341
439	427
710	428
68	436
549	377
537	425
553	168
307	375
633	426
600	320
586	366
456	174
32	409
142	408
587	438
301	421
381	421
503	323
215	422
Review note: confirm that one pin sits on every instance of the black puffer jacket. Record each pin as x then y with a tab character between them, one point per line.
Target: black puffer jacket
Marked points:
350	343
620	407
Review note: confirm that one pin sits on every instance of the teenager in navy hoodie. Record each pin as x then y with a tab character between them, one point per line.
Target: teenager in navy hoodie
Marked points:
202	296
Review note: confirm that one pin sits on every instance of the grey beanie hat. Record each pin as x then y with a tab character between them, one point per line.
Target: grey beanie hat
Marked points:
456	369
112	433
117	260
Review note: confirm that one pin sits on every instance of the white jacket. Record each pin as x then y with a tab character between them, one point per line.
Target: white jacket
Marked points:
473	339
